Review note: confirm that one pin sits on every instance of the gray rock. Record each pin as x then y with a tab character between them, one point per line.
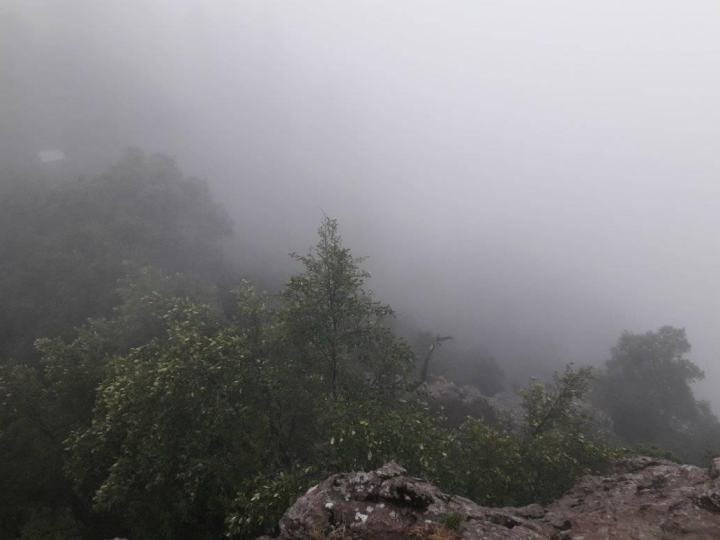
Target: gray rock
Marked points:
390	505
643	498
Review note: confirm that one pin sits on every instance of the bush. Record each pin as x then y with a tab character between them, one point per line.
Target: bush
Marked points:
258	507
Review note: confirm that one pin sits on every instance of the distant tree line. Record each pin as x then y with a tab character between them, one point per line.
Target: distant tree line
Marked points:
147	391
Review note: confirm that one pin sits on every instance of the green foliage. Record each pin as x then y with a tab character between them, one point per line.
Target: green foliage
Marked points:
44	402
176	415
168	417
52	524
336	327
646	390
484	464
65	245
222	412
559	442
30	450
365	434
652	451
263	500
452	521
554	446
549	407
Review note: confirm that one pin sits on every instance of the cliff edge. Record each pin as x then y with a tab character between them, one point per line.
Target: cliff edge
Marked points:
641	498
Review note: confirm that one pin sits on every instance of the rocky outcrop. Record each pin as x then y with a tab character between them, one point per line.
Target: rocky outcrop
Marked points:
388	504
643	498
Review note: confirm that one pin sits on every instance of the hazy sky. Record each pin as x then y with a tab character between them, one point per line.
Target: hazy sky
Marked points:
533	176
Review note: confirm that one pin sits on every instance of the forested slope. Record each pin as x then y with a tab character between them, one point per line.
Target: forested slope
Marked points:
148	391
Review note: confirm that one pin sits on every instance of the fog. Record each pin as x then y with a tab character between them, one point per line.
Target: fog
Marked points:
534	177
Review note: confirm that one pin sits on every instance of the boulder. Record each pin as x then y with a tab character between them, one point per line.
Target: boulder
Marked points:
388	504
642	498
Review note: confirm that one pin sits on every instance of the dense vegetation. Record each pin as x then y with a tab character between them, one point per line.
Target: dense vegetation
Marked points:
65	244
166	398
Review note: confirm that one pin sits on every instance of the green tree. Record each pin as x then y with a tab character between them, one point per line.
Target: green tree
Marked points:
176	428
336	327
646	390
66	243
42	403
537	460
560	439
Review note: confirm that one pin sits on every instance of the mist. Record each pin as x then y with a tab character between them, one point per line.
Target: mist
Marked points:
531	177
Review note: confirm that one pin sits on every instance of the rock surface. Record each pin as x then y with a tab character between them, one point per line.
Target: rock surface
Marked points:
644	498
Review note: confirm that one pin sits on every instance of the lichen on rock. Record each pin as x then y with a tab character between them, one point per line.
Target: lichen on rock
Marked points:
642	498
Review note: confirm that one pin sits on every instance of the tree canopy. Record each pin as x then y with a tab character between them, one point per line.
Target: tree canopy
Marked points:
139	398
646	390
65	243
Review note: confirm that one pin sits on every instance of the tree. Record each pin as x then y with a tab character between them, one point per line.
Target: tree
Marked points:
177	427
334	324
646	390
561	437
43	403
65	244
537	460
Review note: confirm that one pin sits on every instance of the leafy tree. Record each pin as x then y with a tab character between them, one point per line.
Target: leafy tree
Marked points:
336	327
292	398
42	403
30	451
538	460
262	500
646	390
176	428
558	405
486	464
65	244
560	440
